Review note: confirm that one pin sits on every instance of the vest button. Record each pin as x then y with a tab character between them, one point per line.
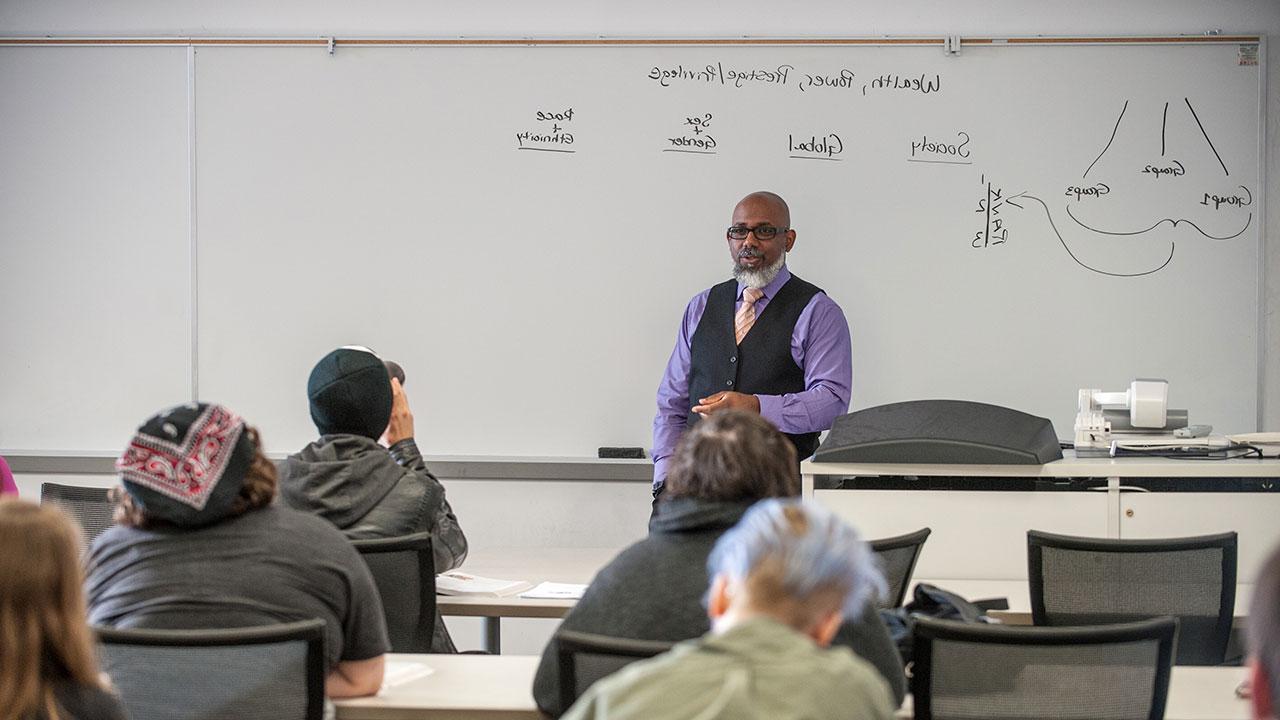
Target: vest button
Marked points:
728	383
733	359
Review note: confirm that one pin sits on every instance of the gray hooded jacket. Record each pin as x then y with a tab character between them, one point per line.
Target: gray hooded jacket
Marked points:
369	491
653	590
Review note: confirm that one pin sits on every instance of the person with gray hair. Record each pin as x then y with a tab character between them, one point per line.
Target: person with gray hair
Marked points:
784	578
1264	641
655	589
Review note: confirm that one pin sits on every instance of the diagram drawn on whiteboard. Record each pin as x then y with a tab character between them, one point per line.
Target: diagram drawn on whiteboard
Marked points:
1113	207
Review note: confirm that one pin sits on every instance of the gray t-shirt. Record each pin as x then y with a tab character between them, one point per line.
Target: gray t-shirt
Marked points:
267	566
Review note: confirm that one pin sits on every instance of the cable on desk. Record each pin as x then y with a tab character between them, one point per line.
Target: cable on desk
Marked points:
1232	452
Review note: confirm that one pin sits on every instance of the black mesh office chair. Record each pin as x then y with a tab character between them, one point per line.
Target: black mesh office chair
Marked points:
272	672
898	556
1093	581
90	506
970	671
584	658
404	571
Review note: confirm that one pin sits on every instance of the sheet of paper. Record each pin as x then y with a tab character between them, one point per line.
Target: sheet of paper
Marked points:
555	591
399	672
456	582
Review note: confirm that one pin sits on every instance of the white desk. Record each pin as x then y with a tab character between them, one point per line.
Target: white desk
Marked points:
463	687
474	687
535	565
1114	470
982	534
1069	466
579	565
1206	693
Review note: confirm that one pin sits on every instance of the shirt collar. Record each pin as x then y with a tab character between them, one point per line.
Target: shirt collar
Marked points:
773	287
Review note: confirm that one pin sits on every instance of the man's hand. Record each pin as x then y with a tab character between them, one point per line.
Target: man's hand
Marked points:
727	401
400	427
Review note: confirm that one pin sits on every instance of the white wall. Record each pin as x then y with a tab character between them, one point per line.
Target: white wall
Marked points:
700	18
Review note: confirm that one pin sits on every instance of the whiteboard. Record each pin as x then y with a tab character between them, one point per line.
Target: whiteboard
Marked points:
95	263
410	199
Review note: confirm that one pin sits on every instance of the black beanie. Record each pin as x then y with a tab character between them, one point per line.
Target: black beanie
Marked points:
350	392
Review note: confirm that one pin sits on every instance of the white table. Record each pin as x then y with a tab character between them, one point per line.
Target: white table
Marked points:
475	687
979	530
535	565
1114	470
579	565
1206	693
466	687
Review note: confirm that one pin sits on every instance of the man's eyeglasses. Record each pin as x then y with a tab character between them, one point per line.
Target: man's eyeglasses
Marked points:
762	232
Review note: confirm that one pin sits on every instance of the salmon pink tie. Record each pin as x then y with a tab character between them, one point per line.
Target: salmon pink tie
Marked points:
746	316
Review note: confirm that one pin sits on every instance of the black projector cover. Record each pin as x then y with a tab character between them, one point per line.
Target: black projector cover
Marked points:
940	432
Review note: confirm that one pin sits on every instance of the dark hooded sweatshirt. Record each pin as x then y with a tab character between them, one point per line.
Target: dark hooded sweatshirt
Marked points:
654	590
369	491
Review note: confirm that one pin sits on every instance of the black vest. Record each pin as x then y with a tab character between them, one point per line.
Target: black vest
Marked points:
762	364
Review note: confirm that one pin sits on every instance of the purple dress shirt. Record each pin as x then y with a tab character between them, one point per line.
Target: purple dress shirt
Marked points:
819	344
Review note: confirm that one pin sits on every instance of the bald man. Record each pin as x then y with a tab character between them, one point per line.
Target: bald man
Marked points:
786	355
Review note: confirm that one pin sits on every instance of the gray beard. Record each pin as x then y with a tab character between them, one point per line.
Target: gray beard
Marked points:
759	278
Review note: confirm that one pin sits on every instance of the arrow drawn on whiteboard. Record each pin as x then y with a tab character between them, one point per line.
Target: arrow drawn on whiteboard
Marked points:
1171	221
1080	262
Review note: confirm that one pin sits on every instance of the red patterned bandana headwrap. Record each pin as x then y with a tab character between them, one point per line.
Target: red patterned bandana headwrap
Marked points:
187	468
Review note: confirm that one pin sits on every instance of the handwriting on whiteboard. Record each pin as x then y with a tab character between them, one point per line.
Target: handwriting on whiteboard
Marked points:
842	79
695	136
551	134
993	232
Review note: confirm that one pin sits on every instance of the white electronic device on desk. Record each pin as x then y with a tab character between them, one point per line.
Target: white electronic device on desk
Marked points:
1138	420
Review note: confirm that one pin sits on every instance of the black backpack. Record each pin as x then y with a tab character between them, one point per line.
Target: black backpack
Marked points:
934	602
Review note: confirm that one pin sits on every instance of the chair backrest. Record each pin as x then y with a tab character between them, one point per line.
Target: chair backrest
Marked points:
404	571
585	658
970	671
898	556
271	672
1093	581
90	506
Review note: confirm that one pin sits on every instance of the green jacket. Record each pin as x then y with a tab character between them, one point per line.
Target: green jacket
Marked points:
653	590
757	669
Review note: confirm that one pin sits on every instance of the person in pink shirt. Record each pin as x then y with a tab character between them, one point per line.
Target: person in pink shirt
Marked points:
7	485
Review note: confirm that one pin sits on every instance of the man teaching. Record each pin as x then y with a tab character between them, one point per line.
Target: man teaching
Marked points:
765	342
